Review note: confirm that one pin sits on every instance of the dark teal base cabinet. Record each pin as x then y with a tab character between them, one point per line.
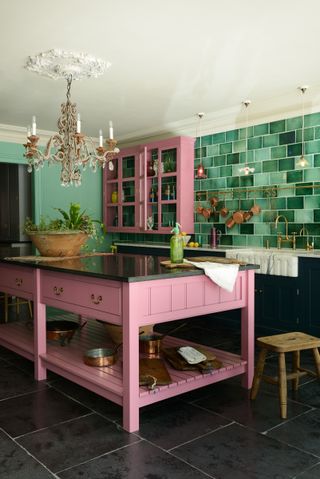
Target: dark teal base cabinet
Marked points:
309	273
290	304
277	303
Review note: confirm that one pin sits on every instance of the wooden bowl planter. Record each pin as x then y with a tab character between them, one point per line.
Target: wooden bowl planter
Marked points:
58	243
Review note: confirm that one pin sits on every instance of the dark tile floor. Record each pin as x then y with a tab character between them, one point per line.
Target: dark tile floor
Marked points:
58	429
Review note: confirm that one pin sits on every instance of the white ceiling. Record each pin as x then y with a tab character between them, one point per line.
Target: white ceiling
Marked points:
170	59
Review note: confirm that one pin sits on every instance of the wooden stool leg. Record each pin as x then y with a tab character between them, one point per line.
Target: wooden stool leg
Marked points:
282	385
18	306
316	357
295	369
258	374
6	307
30	309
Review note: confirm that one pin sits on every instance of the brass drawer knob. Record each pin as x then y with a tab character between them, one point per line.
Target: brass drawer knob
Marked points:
96	300
57	291
19	281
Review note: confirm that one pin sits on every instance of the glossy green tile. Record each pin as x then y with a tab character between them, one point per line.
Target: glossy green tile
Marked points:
246	180
238	146
232	135
288	214
288	137
219	183
213	172
246	156
316	160
294	176
317	132
225	148
294	123
287	191
246	229
226	240
271	165
203	152
308	134
286	164
316	217
311	174
206	140
262	154
239	240
270	140
232	158
207	162
245	133
233	182
303	216
268	216
256	241
312	146
218	138
261	129
312	201
278	152
312	120
278	203
257	166
261	179
213	150
262	229
219	160
313	229
277	126
255	143
225	171
304	189
295	203
278	178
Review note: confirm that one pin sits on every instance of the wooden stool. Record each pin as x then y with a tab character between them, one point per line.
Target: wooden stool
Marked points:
285	343
17	302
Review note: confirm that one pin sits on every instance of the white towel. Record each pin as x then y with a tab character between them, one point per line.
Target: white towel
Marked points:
223	275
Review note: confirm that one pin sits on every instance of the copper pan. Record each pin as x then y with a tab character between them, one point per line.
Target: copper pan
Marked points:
238	217
62	330
256	209
101	356
151	343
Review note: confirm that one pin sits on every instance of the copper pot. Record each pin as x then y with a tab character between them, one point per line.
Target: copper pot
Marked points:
247	215
151	343
230	222
224	211
206	213
101	356
214	201
256	209
62	330
238	217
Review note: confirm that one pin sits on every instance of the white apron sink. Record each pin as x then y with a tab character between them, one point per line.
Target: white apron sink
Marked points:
274	262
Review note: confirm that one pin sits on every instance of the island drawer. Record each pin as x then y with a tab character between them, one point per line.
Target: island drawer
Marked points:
90	294
16	281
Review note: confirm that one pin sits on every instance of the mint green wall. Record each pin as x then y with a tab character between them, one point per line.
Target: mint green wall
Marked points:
48	193
278	184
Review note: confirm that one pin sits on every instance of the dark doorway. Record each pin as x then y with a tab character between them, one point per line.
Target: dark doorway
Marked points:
15	201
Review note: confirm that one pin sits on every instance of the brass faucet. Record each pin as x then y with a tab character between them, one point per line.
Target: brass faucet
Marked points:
280	239
305	232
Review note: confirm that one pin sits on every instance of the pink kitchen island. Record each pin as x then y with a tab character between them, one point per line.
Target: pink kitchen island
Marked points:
127	290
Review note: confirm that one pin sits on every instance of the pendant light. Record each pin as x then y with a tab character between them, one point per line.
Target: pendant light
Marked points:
200	175
302	161
246	169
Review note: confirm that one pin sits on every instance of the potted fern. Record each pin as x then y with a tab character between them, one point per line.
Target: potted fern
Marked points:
63	236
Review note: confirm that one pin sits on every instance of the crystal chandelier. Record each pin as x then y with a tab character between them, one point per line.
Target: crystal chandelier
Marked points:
69	148
246	169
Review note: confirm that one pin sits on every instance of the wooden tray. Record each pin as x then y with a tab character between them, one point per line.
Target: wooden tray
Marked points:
150	368
201	259
177	361
54	258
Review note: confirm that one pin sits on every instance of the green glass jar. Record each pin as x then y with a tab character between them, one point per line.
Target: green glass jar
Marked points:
176	246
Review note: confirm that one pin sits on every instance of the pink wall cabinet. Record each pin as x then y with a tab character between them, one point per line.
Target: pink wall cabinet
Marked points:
151	188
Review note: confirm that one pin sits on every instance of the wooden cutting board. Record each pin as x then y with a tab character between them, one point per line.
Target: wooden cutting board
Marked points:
178	362
153	368
201	259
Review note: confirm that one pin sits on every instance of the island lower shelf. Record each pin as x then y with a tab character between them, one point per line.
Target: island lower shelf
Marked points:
67	361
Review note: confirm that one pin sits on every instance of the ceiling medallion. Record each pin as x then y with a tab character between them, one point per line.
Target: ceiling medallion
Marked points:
69	148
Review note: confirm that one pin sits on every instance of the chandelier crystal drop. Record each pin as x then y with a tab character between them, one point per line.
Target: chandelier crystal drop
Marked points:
69	148
246	170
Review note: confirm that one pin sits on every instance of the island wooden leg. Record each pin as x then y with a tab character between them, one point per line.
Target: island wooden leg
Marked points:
247	332
40	340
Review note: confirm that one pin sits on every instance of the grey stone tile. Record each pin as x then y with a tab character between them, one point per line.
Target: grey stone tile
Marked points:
312	473
43	408
302	432
14	382
15	463
174	423
89	399
73	442
233	402
239	453
308	394
137	461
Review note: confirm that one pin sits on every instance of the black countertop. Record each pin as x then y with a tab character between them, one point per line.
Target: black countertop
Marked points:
118	267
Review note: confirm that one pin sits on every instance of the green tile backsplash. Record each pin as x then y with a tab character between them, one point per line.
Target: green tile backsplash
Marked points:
279	185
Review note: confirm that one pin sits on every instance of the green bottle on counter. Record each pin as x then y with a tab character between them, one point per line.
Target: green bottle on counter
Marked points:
176	245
